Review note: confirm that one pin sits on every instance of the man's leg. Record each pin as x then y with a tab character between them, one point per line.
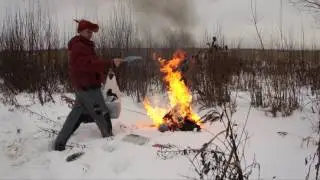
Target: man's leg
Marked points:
105	110
70	125
77	125
93	102
86	118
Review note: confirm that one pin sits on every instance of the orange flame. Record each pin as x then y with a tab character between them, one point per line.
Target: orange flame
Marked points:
179	95
155	114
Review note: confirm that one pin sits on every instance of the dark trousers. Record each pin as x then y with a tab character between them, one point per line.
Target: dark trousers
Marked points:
89	107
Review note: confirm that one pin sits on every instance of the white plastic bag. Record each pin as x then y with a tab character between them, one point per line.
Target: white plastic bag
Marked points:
112	95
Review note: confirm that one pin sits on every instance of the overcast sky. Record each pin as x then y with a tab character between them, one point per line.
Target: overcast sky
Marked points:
233	17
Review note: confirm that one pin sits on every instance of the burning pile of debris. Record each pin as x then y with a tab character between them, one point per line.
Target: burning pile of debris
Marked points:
180	116
187	125
172	121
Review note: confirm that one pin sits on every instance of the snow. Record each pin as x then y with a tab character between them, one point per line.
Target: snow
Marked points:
26	154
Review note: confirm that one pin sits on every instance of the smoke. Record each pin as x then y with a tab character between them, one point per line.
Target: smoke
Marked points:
168	20
177	13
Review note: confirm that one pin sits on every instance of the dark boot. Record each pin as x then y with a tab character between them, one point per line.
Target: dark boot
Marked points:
70	125
59	147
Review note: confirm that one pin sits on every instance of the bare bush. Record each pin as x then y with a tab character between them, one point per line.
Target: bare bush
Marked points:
221	157
31	61
29	53
211	74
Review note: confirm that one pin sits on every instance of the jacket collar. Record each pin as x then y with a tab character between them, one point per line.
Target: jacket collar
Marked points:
86	41
82	39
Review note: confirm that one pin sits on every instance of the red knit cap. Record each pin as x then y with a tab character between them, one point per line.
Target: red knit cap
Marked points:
84	24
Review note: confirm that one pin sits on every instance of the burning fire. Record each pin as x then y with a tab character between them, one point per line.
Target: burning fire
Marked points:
179	95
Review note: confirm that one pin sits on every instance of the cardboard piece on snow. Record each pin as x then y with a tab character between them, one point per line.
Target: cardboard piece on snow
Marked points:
136	139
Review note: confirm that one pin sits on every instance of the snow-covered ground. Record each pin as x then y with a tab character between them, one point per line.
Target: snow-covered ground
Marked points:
25	152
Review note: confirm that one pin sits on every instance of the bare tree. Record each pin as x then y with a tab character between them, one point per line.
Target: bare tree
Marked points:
29	44
313	4
310	6
255	21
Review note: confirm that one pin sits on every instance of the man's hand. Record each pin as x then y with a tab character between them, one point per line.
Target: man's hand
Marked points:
117	61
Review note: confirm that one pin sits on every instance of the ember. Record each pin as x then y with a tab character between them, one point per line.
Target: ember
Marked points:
180	116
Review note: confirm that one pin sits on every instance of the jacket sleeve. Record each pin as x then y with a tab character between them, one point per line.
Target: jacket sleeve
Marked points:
87	62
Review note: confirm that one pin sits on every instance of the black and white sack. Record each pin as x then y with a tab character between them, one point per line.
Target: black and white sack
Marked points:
112	95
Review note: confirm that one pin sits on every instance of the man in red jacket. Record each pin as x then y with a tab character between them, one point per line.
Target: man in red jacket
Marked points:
86	72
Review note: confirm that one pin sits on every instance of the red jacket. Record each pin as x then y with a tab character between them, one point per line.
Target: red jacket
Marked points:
85	67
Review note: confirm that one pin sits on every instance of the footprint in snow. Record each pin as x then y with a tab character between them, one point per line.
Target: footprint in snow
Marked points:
120	165
109	147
